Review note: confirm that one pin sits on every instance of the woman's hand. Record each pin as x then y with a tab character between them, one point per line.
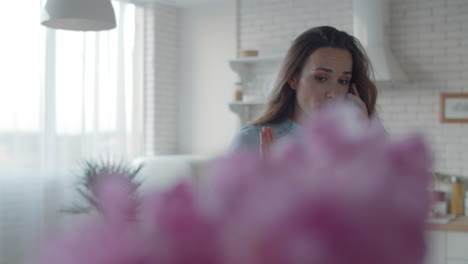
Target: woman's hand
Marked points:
355	97
267	137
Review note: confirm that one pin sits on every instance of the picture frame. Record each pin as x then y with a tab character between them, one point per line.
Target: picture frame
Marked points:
454	107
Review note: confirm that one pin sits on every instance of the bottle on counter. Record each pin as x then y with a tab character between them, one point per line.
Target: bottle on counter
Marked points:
466	203
457	203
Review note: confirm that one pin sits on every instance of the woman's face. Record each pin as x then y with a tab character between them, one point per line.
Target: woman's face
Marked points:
325	76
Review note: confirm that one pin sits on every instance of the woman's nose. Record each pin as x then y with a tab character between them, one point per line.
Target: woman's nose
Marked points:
333	92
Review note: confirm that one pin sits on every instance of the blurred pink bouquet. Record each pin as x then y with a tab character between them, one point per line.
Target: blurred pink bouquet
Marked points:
342	192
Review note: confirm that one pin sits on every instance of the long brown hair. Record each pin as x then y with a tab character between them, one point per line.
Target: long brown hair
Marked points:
281	101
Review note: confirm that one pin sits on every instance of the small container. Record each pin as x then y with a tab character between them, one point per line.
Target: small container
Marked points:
438	196
238	93
248	53
466	203
439	205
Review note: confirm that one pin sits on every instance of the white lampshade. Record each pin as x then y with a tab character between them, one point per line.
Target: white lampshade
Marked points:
82	15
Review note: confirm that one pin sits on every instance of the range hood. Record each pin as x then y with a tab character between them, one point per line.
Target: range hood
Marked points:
370	18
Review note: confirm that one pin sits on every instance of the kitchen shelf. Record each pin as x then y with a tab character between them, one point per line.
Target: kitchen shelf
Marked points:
247	103
246	110
250	60
256	75
240	106
242	66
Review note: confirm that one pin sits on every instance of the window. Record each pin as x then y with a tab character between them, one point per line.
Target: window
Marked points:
65	95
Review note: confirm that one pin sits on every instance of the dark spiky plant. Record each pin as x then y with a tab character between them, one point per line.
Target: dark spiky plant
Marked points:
91	171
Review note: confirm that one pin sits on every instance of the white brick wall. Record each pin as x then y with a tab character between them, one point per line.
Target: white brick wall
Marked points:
149	83
415	107
428	37
273	24
161	80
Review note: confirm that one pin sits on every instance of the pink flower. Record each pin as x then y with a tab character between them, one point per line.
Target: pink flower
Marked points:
115	196
111	238
178	230
327	198
342	192
99	242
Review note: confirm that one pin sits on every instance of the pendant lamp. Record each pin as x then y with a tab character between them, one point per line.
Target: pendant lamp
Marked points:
80	15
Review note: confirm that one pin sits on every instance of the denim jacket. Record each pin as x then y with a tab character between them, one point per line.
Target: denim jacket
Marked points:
249	136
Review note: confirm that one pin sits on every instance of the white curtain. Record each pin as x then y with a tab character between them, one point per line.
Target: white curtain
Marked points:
65	97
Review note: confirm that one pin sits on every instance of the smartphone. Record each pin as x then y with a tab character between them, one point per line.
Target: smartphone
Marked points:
350	89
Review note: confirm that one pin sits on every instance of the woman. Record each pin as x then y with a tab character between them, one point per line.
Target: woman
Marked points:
322	64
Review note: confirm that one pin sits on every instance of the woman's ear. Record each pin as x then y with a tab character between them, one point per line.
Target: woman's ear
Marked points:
293	82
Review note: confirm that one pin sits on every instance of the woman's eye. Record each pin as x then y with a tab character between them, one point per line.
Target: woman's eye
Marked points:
344	82
320	78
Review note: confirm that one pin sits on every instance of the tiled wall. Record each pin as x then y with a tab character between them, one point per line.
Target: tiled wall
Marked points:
272	24
149	82
161	80
428	37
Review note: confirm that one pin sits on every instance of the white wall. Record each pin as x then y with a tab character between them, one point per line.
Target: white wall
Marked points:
428	37
161	78
267	23
167	19
207	42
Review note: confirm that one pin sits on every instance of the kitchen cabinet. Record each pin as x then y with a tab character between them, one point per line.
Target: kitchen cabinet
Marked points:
448	243
436	247
457	262
457	245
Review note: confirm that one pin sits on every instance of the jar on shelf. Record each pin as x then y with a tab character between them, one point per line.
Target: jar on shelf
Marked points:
238	92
